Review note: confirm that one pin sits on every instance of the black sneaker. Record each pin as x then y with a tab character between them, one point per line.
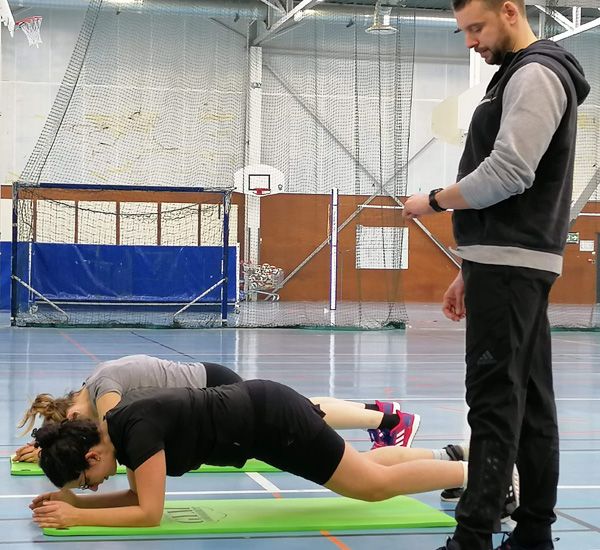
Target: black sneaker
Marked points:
450	545
451	495
509	543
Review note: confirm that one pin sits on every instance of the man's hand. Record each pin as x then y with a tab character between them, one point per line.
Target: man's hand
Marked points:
27	453
64	495
453	304
416	206
56	514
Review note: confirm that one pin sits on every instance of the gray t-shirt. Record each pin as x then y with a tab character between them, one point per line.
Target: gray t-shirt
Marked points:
134	372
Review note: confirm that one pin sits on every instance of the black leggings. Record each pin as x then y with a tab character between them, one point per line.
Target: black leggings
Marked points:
220	375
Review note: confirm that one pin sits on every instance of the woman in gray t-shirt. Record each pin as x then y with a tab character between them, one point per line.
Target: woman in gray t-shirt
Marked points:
103	389
111	380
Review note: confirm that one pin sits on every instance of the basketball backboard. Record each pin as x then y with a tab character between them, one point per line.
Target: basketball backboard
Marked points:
6	16
259	180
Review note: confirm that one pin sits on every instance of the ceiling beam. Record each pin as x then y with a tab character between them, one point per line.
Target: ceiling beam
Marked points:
585	27
557	16
270	33
567	3
275	4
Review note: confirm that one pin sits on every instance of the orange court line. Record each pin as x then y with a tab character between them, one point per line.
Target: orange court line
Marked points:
335	541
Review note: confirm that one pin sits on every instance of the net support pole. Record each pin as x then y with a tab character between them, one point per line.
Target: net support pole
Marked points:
225	260
253	153
333	257
198	298
14	302
40	296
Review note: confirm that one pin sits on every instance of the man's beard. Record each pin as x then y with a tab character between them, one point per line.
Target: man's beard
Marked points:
500	51
497	57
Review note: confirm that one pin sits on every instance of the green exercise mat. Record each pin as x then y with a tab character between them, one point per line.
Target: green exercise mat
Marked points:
276	515
252	465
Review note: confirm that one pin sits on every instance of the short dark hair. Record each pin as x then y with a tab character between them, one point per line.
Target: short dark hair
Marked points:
458	5
63	448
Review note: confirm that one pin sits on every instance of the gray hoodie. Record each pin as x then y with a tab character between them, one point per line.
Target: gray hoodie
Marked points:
517	167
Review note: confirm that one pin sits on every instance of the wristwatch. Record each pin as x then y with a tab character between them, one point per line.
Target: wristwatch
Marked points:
433	202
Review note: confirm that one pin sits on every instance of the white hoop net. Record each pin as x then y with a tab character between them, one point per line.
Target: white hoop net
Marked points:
31	27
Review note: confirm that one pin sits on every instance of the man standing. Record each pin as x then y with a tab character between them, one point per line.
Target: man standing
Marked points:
511	213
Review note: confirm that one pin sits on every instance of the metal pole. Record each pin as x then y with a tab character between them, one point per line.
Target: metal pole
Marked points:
225	261
14	303
190	304
334	249
41	296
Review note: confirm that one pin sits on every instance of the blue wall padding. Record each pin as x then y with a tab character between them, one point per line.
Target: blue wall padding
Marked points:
5	275
78	272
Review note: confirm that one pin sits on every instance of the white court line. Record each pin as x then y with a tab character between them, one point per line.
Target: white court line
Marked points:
263	482
409	398
340	358
196	493
300	356
577	487
284	491
585	343
433	399
359	361
251	355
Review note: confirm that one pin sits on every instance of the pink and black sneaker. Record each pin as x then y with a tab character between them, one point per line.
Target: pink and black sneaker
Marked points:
388	407
402	434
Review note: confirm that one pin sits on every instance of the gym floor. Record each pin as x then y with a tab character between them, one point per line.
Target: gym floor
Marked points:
422	367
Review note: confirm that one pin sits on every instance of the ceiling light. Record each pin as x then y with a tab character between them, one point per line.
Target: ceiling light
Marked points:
381	21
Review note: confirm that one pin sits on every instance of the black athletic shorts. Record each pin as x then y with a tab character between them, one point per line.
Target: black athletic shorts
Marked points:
290	432
219	375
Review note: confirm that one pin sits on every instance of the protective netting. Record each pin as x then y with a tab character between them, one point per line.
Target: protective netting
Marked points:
158	95
551	26
335	88
337	104
150	97
579	288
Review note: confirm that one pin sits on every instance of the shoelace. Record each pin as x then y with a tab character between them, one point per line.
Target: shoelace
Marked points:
377	436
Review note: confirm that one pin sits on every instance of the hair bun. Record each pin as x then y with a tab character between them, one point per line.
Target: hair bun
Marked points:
46	435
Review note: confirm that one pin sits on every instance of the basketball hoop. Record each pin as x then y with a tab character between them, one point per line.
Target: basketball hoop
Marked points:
260	191
31	27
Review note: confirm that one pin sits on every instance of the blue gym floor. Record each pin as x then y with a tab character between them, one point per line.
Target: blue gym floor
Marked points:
422	367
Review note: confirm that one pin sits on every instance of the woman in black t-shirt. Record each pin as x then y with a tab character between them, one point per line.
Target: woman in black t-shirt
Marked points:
160	432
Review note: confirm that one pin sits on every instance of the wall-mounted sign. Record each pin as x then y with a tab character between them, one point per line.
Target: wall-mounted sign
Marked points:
572	238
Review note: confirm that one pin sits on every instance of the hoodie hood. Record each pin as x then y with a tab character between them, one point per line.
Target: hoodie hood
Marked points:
551	49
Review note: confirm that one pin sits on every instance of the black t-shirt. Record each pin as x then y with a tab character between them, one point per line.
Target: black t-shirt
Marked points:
193	426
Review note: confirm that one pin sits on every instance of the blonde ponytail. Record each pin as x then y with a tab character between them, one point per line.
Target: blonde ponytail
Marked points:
48	408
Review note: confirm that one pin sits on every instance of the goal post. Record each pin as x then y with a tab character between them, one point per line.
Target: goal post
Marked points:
88	255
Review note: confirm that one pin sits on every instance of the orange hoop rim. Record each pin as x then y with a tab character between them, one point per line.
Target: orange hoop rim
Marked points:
26	20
